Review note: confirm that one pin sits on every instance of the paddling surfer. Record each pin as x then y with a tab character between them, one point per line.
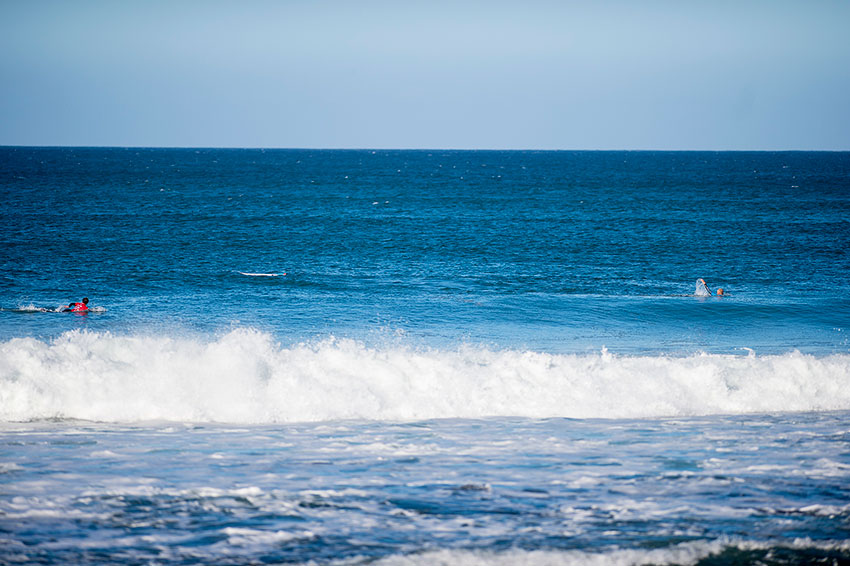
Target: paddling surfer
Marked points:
79	307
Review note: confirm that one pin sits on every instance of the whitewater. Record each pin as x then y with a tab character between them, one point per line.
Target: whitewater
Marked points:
246	376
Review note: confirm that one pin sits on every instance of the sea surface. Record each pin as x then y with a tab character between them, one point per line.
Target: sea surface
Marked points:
415	358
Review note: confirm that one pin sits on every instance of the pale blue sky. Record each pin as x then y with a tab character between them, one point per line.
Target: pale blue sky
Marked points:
439	74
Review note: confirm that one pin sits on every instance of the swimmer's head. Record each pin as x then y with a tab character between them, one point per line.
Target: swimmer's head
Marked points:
85	300
719	291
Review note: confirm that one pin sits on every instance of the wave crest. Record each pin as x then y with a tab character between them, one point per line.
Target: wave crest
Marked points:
246	376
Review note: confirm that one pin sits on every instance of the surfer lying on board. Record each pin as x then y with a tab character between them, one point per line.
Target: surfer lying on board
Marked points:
79	307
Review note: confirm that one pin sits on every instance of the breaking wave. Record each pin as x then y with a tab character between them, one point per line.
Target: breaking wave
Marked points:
247	376
721	551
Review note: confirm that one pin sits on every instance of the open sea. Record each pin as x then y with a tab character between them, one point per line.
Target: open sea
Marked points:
417	358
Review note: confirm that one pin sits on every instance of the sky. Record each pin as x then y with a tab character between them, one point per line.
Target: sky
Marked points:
535	74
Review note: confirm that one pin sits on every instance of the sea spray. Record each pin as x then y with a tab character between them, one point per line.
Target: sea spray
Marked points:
246	376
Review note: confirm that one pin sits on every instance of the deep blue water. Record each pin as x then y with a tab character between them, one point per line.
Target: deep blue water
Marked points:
424	357
560	251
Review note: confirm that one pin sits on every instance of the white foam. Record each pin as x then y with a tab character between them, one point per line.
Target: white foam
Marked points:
9	467
31	308
253	537
246	377
684	553
248	274
701	289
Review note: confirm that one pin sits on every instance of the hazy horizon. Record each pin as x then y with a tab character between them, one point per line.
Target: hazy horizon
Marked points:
423	149
613	75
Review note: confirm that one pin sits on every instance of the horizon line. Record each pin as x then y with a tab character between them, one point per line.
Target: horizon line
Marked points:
293	148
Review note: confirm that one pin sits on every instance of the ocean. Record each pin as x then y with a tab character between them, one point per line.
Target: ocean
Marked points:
411	358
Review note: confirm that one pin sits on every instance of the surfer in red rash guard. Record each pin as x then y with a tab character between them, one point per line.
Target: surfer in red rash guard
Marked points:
79	307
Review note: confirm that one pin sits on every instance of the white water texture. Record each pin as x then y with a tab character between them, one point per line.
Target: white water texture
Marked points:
701	289
681	554
247	377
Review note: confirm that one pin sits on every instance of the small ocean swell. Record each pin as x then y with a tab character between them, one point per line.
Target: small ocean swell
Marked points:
246	376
